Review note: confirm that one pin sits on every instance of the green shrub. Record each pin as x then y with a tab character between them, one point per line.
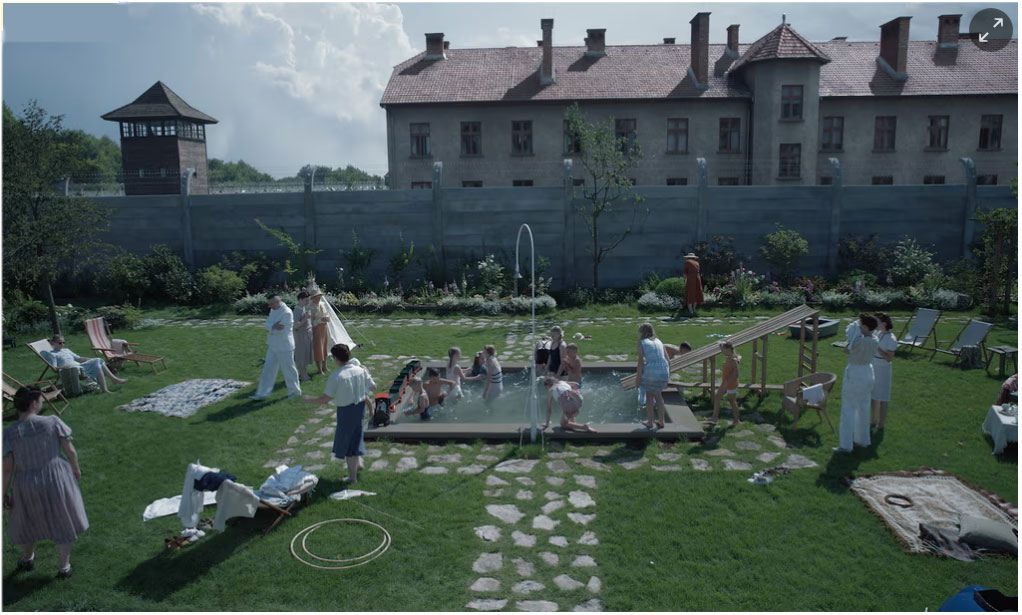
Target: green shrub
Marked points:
358	261
717	258
786	299
214	285
124	277
911	263
883	298
120	316
657	302
865	254
25	314
782	249
72	318
834	300
168	276
255	268
650	281
672	287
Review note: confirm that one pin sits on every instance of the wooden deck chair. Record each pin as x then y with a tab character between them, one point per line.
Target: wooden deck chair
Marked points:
974	333
38	347
100	338
919	328
791	398
50	391
298	497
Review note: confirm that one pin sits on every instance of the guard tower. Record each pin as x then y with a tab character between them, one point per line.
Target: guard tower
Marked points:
161	136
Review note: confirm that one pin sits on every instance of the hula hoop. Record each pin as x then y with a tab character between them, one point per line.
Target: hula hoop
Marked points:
361	560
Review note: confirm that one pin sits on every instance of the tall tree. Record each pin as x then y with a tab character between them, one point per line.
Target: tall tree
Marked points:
608	161
44	231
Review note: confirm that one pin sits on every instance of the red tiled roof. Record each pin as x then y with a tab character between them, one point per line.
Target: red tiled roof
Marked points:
781	43
158	102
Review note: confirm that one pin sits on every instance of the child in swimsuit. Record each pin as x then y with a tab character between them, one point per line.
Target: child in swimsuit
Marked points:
419	400
571	365
456	374
570	400
728	383
494	376
434	386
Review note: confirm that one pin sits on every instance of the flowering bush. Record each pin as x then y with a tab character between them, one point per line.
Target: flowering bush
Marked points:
742	289
785	299
834	300
882	298
910	263
492	280
653	301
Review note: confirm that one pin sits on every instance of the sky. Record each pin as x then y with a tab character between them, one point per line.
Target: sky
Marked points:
294	83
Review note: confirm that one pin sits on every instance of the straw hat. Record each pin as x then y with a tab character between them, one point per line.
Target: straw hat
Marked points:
313	290
691	255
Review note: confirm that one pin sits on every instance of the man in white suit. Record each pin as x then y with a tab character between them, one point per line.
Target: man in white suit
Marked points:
280	352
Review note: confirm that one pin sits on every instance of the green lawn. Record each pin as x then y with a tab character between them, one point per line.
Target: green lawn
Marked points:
668	540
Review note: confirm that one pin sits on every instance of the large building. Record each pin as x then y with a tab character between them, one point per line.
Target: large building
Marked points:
892	111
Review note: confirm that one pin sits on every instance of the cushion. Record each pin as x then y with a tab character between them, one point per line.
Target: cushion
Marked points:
988	534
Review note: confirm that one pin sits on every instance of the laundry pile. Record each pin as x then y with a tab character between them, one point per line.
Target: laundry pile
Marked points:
184	399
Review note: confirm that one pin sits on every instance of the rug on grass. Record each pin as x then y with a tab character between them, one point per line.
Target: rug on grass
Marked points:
185	398
904	500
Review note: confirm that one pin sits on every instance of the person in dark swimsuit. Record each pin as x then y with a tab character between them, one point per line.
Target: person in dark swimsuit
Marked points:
557	350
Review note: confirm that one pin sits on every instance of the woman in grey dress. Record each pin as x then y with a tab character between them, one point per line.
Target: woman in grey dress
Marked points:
40	487
303	336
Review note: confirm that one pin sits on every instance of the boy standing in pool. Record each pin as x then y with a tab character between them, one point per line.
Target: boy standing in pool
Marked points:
571	365
570	399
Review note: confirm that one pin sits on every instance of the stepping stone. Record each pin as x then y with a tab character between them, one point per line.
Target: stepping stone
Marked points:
631	465
454	458
593	465
406	463
471	469
550	559
272	463
314	420
553	495
767	457
583	561
748	445
434	470
315	455
777	441
487	457
668	456
734	464
325	431
495	481
700	464
745	433
799	462
755	417
558	541
588	538
522	539
567	583
524	568
594	585
292	440
543	522
327	444
523	494
525	480
325	411
371	452
562	455
489	533
581	499
584	480
540	606
284	451
558	466
315	468
488	562
516	466
580	518
395	450
493	493
508	513
589	606
720	452
552	506
379	357
492	447
555	481
766	427
667	468
486	605
434	448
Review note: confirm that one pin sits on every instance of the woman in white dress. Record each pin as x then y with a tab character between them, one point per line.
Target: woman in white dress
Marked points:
857	387
887	344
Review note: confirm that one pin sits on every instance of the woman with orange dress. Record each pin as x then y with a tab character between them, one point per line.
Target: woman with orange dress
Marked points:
693	283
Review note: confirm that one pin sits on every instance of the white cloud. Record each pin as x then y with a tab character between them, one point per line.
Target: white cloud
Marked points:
503	37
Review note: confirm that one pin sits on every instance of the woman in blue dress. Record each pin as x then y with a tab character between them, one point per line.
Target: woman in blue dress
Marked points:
61	358
652	373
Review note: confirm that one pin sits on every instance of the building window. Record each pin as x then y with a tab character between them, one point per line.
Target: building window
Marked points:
472	184
572	140
578	182
420	140
730	135
521	137
883	133
163	172
791	102
883	180
471	138
677	136
933	179
141	173
826	180
624	132
790	161
938	132
833	138
727	181
521	183
677	181
990	132
986	180
170	128
422	185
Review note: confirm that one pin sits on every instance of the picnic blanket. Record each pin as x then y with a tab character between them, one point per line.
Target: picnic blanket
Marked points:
904	500
185	398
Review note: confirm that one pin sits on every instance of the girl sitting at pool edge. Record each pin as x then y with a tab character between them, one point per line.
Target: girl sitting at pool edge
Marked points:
567	394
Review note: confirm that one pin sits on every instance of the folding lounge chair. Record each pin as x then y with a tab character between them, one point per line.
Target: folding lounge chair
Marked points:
38	347
100	338
919	328
973	334
791	398
50	391
282	493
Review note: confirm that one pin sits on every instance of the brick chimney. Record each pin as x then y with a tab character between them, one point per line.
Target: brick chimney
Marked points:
596	44
546	69
435	46
447	45
894	48
947	30
700	49
668	41
732	41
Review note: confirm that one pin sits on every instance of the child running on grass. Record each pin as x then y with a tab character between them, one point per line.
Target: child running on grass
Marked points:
728	383
494	376
570	399
571	365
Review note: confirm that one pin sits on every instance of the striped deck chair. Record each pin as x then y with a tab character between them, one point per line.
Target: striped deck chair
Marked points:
974	333
38	347
104	348
919	328
50	392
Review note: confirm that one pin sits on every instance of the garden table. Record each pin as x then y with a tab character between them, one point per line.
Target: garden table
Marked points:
1003	354
1002	429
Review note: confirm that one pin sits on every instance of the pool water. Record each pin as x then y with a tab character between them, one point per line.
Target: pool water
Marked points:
604	401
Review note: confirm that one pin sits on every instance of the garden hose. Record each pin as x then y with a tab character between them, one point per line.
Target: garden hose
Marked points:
361	560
